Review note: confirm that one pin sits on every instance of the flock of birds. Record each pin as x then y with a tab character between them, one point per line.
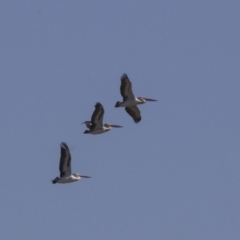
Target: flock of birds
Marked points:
96	126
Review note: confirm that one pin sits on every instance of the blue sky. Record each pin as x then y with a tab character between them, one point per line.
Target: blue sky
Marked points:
176	174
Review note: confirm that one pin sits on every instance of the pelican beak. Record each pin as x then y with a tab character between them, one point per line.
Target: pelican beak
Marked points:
115	126
84	176
150	100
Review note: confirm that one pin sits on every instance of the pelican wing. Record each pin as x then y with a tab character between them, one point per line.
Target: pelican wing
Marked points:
134	112
65	160
97	116
126	87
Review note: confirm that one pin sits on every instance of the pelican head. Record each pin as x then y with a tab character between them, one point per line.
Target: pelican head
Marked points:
117	104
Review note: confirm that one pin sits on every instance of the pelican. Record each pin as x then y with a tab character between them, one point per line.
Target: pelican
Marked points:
65	167
96	124
130	102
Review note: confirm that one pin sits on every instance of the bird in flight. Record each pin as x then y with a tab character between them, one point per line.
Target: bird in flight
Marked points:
96	126
130	102
66	175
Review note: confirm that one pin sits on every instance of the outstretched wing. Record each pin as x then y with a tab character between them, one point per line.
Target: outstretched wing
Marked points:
97	116
65	160
126	87
134	112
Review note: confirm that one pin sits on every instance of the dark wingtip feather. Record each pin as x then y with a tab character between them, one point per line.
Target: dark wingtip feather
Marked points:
98	105
55	180
117	104
124	76
137	120
63	145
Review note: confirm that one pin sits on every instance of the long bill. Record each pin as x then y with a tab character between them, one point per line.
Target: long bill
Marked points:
150	99
116	126
84	176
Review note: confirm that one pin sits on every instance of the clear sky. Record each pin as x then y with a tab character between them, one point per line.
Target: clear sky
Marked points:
173	176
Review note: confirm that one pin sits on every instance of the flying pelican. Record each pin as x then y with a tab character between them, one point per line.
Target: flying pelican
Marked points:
65	167
96	124
130	102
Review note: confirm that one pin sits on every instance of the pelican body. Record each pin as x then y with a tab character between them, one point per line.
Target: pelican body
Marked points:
65	167
67	179
96	126
130	102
